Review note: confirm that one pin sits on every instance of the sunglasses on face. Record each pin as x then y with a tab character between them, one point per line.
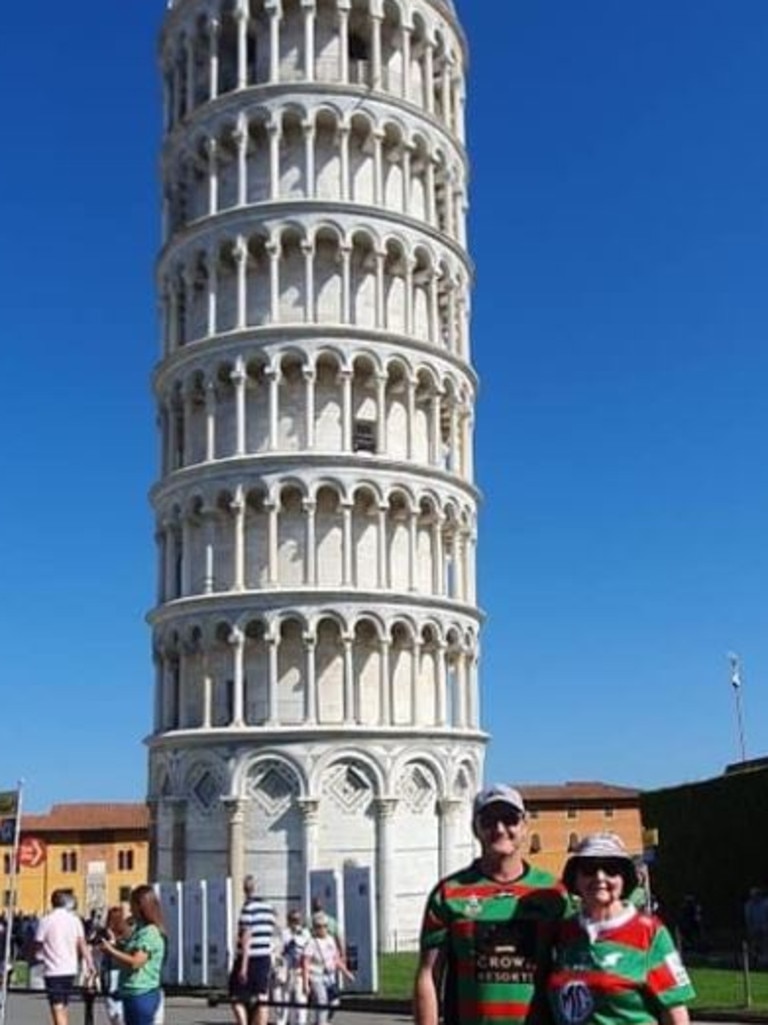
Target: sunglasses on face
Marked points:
488	817
609	866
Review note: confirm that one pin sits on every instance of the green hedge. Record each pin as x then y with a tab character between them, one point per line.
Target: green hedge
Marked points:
713	843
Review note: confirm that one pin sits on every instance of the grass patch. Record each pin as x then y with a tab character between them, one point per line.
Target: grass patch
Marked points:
721	987
715	987
396	973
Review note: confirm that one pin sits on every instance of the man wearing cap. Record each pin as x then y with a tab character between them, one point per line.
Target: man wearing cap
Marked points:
484	937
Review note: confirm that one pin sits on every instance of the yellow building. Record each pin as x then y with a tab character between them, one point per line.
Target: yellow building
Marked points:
560	816
98	851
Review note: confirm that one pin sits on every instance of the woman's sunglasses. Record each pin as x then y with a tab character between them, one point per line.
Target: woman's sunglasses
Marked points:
609	866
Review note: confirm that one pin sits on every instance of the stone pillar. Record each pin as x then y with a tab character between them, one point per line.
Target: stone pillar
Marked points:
212	149
238	376
406	36
213	291
241	261
273	718
346	548
309	406
237	640
237	507
442	686
275	134
310	811
210	421
376	66
349	679
309	651
343	8
448	808
344	131
273	569
310	558
308	249
381	299
214	29
309	158
346	409
236	856
273	248
385	808
274	44
381	413
241	16
241	138
273	377
309	39
383	510
385	696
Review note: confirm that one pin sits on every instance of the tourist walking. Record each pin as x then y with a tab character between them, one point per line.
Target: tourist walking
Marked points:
483	938
249	979
325	964
60	943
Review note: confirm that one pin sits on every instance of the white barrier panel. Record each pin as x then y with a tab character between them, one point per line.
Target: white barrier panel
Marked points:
220	931
360	929
194	935
172	903
324	887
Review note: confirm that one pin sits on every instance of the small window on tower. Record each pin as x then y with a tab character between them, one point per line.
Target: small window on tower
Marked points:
364	436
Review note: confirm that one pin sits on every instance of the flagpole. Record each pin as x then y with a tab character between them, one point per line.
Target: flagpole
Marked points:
736	684
13	886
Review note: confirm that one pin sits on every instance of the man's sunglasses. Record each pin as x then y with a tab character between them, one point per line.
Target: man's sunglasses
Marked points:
609	866
488	817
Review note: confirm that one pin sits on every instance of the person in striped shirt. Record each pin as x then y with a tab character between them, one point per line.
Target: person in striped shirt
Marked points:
249	979
484	936
612	963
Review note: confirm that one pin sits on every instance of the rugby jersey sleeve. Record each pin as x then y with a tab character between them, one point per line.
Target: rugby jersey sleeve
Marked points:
434	927
667	981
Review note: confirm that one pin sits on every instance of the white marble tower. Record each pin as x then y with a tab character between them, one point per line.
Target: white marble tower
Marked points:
316	628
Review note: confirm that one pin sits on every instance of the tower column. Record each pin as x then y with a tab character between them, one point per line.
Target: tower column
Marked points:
236	807
385	808
448	809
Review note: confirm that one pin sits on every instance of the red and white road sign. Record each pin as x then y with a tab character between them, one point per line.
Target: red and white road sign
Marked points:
31	852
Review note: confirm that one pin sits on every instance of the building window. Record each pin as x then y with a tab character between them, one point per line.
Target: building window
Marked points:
608	812
573	841
6	898
125	861
364	436
533	813
124	894
535	843
69	861
7	862
571	813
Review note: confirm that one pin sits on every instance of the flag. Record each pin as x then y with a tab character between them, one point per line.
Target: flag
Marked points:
9	802
735	676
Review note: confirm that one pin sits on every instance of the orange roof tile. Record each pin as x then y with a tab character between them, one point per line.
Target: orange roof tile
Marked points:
87	817
575	791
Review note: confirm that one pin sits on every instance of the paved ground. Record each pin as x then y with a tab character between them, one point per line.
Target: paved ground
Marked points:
31	1009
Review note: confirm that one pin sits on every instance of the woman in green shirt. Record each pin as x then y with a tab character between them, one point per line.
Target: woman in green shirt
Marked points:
140	958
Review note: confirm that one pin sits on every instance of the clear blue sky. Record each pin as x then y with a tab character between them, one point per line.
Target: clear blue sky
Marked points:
619	208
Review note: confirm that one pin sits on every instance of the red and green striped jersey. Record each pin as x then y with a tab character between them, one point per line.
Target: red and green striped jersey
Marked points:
620	972
493	937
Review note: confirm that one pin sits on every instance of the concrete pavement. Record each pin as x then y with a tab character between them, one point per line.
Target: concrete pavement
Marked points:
32	1009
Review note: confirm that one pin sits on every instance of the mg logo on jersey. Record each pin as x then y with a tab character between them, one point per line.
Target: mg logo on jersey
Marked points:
576	1003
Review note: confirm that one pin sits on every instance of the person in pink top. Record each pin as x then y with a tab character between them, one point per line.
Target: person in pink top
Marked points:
60	943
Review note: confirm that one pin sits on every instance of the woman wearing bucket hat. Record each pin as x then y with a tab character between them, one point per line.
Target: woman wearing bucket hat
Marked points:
611	963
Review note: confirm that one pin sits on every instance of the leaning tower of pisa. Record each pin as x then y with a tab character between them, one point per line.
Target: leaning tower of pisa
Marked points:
316	629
